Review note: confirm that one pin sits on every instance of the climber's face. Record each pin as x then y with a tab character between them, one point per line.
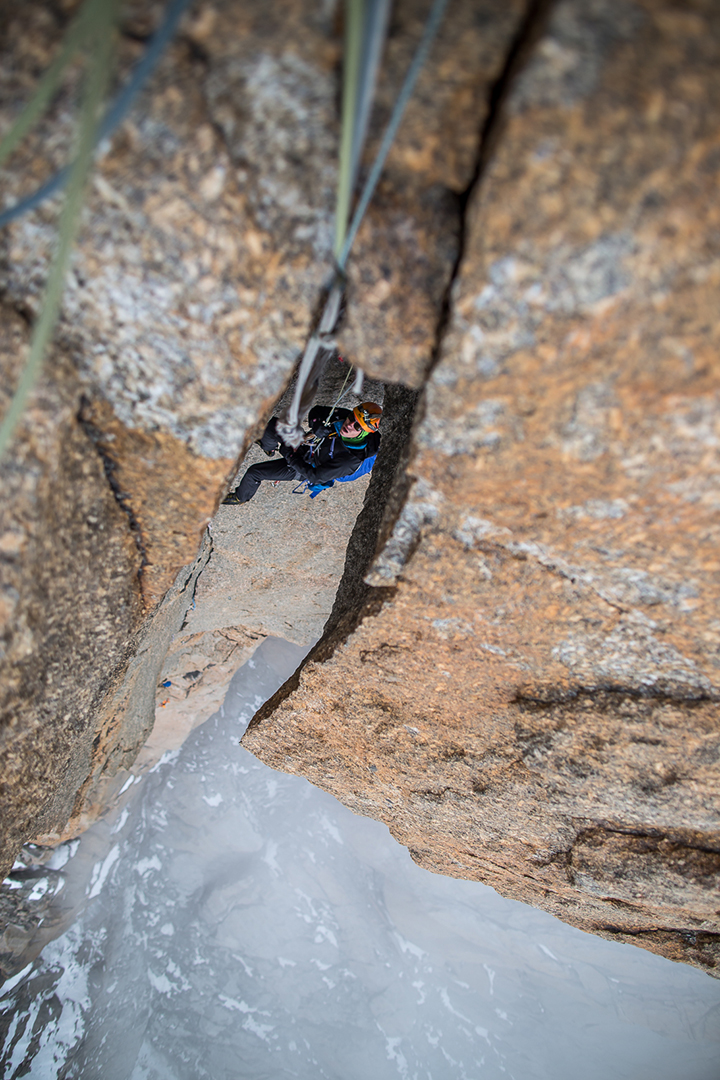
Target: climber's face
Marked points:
351	429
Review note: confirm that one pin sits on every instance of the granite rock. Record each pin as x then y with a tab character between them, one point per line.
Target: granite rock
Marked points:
527	690
204	251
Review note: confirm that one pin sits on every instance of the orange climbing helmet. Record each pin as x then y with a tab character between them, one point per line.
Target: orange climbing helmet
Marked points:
368	415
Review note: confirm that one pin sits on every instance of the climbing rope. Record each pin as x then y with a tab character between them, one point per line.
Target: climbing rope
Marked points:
101	17
93	26
431	27
367	22
340	396
365	29
312	362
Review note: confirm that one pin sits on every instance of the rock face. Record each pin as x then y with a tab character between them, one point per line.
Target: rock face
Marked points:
520	671
530	694
205	248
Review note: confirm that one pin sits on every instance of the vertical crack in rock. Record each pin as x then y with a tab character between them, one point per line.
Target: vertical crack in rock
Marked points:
407	513
552	534
122	498
389	525
519	54
203	561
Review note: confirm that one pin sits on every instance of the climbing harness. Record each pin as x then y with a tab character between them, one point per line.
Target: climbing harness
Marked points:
313	362
314	489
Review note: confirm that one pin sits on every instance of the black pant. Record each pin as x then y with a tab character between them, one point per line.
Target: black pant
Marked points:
265	470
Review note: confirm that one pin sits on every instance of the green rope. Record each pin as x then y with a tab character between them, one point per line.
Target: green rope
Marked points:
100	19
354	10
47	86
431	27
290	428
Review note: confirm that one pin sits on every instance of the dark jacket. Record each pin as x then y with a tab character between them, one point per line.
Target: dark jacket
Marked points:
332	458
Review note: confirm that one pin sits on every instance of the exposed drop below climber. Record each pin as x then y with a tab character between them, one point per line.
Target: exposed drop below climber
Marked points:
338	444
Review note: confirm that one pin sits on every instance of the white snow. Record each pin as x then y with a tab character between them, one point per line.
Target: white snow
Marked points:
161	983
144	866
41	886
102	870
14	980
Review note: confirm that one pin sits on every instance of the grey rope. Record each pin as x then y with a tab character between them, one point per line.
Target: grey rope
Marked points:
290	427
116	112
431	27
341	395
377	20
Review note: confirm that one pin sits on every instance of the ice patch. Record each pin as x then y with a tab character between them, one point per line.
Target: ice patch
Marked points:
168	757
408	947
102	870
23	1043
331	829
11	983
167	929
213	800
144	866
396	1055
272	786
59	1037
248	970
261	1030
322	933
120	823
269	857
491	977
161	983
41	886
236	1006
544	948
62	854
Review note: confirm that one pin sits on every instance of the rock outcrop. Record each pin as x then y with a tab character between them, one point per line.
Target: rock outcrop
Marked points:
204	252
530	695
520	672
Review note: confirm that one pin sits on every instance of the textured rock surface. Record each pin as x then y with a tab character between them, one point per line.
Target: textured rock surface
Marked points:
525	684
276	562
532	698
205	247
193	682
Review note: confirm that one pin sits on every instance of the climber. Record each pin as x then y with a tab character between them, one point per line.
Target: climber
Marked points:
338	443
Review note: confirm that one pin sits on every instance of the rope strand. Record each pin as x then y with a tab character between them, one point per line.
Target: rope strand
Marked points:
290	427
